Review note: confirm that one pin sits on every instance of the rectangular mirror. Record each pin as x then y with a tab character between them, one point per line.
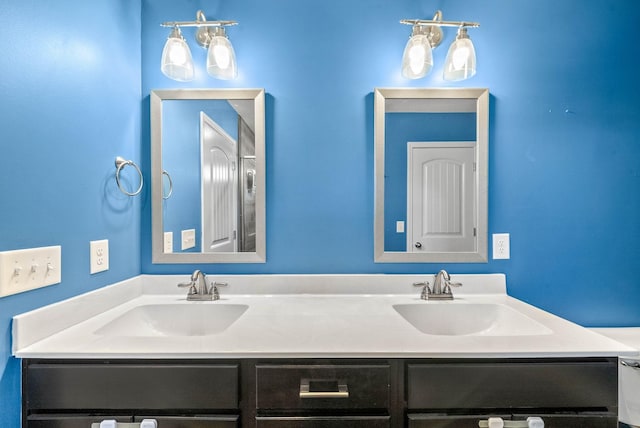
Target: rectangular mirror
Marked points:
208	176
431	175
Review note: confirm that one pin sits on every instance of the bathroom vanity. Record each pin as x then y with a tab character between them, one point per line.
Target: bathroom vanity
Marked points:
343	351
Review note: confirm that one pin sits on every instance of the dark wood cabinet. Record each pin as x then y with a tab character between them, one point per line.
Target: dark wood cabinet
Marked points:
320	393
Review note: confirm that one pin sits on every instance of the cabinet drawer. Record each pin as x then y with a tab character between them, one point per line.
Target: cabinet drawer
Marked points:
605	420
193	421
292	387
568	420
328	422
131	386
446	421
70	421
509	384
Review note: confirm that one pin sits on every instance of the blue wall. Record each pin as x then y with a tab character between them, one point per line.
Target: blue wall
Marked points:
564	155
564	173
69	104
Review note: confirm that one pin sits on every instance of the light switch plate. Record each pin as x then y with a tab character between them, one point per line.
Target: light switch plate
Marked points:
188	239
399	226
22	270
501	246
99	255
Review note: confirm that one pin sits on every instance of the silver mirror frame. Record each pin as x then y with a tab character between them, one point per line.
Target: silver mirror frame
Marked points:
482	161
158	254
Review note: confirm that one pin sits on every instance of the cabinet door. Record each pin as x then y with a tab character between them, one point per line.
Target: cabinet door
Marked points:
70	421
446	421
193	421
324	422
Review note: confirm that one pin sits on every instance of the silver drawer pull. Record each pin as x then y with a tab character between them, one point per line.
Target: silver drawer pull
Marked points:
633	364
310	388
111	423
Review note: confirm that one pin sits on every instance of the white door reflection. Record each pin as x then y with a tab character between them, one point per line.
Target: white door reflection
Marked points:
219	187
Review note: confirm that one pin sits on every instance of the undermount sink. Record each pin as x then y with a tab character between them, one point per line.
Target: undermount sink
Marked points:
465	319
180	319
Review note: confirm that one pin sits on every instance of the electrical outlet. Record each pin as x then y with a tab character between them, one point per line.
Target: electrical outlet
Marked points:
22	270
99	255
188	239
501	246
168	242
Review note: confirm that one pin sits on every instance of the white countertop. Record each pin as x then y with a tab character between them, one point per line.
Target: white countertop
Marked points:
298	316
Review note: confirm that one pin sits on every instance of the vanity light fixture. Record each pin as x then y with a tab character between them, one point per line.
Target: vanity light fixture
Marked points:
177	63
417	59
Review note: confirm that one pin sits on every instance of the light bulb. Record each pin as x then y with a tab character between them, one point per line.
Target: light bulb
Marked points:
222	56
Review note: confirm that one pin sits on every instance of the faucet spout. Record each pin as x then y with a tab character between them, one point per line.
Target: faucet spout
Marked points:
441	287
198	288
199	280
442	277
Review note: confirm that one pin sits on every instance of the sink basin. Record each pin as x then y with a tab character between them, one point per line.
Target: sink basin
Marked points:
186	319
460	319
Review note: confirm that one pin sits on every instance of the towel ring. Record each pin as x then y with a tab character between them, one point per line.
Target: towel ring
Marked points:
120	164
168	195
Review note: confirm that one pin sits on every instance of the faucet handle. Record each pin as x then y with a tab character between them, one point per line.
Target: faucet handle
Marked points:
425	289
214	289
191	285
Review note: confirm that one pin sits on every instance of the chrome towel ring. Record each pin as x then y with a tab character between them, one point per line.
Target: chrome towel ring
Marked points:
168	195
120	164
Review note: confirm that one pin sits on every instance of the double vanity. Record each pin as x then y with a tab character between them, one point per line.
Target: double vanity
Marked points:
312	351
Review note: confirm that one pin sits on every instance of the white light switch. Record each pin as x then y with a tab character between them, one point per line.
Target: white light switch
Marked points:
501	247
188	239
168	242
22	270
399	226
99	255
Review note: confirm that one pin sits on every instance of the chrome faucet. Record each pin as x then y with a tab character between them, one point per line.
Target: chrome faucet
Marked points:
198	289
441	287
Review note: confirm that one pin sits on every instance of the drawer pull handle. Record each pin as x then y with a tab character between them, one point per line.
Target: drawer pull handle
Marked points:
531	422
111	423
310	388
632	364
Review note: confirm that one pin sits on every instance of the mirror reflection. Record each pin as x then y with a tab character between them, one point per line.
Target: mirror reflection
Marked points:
431	175
208	170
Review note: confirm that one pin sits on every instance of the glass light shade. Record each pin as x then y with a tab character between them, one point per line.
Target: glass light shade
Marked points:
461	58
417	58
221	59
177	63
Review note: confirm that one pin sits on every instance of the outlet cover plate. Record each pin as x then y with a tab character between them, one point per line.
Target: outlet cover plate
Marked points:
99	255
501	246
